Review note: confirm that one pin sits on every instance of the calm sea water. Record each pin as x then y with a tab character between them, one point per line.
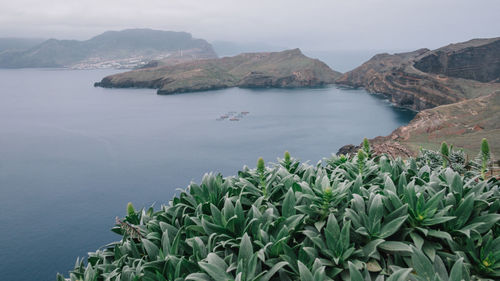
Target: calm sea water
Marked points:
72	156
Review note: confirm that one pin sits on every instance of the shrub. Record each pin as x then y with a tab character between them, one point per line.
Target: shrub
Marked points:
346	218
457	159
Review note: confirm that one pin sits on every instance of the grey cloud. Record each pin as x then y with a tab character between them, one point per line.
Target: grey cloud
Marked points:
313	24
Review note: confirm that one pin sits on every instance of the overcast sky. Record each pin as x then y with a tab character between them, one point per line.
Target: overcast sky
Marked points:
309	24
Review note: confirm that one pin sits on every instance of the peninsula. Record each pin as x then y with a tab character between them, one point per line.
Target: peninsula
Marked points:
286	69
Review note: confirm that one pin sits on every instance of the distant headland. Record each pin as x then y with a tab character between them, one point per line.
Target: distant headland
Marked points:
128	48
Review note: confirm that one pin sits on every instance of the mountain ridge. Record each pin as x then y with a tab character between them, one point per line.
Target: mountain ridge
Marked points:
127	48
398	77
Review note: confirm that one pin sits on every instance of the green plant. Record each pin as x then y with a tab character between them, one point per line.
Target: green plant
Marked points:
287	160
366	147
445	153
361	160
457	159
360	218
485	157
261	168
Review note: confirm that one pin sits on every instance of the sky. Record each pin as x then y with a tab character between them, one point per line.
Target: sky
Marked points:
312	24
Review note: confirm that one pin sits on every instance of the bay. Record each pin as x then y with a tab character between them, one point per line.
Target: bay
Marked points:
72	156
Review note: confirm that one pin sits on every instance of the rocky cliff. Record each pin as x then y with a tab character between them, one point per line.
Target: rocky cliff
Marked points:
477	59
456	87
424	79
286	69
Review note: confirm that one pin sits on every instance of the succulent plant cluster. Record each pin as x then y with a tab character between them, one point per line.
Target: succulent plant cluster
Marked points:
359	218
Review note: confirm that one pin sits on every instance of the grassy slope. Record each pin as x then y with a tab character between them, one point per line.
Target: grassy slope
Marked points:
463	124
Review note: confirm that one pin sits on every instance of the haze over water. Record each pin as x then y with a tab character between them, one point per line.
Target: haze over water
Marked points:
72	156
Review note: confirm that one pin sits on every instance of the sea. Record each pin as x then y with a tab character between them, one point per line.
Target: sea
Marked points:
72	156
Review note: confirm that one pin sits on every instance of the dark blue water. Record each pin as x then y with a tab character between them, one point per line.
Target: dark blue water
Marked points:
72	156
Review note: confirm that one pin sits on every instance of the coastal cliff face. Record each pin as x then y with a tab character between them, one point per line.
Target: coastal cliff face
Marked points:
456	89
286	69
477	59
424	79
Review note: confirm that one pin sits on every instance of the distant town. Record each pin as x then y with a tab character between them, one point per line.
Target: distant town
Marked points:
119	63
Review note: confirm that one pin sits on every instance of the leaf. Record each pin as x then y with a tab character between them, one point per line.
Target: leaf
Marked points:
440	234
401	211
429	249
391	227
216	214
354	273
400	274
464	210
319	225
422	264
358	203
395	246
373	266
371	248
269	274
344	239
488	221
417	239
246	249
305	274
389	185
228	209
165	242
198	277
325	183
332	232
215	267
288	208
456	270
150	248
292	222
440	268
210	228
296	187
320	275
433	202
457	184
376	209
438	220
